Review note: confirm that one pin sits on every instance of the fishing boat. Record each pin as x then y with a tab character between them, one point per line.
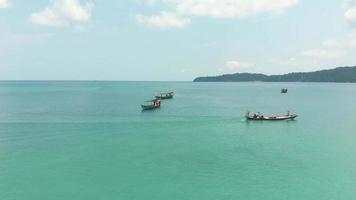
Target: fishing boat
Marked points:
166	95
261	117
284	90
152	104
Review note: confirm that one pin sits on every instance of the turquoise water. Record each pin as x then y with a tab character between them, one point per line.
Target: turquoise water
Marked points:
90	140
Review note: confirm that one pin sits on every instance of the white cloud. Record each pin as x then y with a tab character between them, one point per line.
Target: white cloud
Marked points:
63	12
352	39
292	59
232	8
332	48
321	53
350	15
4	4
331	43
346	42
186	70
220	69
164	20
237	65
47	17
151	2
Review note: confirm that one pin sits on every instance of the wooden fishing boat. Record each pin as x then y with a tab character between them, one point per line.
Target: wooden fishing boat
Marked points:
167	95
153	104
284	90
259	117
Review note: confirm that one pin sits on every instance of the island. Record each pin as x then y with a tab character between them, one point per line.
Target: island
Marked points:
338	75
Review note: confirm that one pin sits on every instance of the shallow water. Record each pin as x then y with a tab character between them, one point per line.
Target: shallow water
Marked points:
90	140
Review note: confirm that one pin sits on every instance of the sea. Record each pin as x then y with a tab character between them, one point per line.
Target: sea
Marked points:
90	140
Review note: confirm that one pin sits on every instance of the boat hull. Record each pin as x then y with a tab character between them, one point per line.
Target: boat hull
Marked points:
160	97
168	95
284	90
272	118
149	107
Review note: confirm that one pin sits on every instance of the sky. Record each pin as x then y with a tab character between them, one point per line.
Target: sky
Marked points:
172	40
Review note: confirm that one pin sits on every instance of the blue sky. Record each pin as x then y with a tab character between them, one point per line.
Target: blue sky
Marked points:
172	39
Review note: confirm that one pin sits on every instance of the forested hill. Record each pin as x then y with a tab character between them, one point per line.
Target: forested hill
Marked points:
339	75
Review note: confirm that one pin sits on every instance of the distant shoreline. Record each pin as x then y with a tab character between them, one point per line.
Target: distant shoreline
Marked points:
336	75
118	81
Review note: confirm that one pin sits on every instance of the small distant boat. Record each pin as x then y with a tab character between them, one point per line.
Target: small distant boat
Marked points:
166	95
153	104
284	90
261	117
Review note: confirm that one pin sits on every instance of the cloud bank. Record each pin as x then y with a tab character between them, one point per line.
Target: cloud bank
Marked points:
350	15
164	20
221	9
4	4
232	8
62	13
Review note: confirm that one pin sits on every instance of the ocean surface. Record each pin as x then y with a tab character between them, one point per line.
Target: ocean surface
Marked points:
90	140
